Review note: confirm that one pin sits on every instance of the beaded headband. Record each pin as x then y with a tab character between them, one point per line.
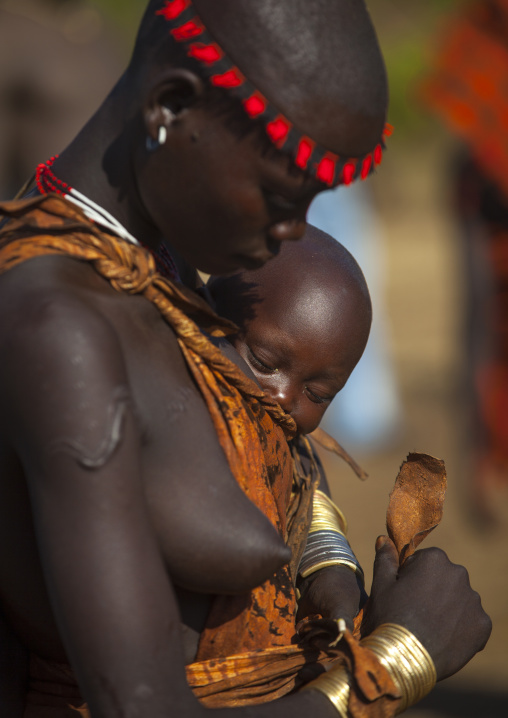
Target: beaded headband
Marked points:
187	29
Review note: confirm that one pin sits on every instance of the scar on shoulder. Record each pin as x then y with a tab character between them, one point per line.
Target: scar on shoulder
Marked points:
96	459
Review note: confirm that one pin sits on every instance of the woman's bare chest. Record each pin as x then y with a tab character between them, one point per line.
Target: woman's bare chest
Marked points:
212	537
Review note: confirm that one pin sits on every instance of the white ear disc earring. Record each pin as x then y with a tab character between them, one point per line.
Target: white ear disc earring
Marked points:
162	135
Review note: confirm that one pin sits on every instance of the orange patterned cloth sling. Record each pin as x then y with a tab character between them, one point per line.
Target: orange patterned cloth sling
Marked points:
252	430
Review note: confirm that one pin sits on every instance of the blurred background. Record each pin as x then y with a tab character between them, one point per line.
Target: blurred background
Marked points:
430	230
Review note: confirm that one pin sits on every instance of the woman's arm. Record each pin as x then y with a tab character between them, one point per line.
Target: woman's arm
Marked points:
74	428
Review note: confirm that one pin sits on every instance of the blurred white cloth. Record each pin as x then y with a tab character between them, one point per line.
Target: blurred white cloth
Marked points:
367	413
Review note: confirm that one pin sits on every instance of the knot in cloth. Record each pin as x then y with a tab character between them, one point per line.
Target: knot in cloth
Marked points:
129	271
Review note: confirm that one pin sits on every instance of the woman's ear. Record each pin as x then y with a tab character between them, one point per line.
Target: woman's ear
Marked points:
173	92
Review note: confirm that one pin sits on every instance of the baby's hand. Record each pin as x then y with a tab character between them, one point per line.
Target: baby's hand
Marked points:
334	592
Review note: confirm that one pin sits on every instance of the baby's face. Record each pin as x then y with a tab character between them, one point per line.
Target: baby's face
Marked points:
301	363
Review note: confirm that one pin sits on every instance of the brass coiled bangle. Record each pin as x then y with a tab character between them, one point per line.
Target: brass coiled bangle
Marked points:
335	685
406	660
404	657
327	544
326	515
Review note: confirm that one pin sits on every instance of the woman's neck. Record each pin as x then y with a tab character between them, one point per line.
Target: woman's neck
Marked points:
98	163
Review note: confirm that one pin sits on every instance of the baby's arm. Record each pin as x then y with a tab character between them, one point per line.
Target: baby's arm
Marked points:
337	590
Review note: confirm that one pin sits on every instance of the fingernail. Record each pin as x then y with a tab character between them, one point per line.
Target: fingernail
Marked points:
380	542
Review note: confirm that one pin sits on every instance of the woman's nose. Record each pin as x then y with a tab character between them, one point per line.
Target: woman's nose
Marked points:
289	229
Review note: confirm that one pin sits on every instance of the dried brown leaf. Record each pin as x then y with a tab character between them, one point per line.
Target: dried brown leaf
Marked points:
416	502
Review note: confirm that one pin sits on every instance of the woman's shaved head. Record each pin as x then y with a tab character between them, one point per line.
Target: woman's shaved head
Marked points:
317	61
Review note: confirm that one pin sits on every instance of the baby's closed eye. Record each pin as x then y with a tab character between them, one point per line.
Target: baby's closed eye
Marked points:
318	397
258	363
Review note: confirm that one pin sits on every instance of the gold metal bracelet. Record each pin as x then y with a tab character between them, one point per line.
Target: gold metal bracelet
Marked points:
404	657
327	544
335	685
406	660
355	567
326	515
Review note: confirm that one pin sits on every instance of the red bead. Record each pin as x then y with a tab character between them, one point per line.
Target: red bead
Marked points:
326	170
38	177
255	105
205	53
278	130
366	165
231	78
378	154
47	181
304	152
173	8
188	30
348	172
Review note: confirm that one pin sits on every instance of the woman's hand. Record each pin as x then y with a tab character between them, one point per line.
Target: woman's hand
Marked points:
431	597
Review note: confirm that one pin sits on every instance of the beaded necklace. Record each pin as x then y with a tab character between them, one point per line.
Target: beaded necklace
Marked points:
47	181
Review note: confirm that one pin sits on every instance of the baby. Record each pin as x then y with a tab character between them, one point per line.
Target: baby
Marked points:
304	320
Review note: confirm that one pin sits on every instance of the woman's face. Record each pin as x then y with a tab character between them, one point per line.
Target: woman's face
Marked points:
218	200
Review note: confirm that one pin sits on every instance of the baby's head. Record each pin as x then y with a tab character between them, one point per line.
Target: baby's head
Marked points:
304	321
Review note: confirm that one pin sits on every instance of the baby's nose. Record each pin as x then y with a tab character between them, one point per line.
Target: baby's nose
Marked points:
285	397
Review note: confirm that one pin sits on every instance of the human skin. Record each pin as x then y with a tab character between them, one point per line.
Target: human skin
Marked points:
107	551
